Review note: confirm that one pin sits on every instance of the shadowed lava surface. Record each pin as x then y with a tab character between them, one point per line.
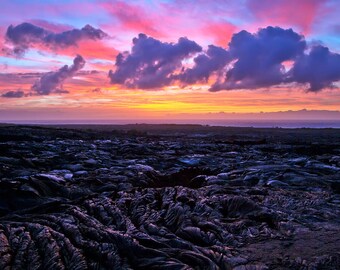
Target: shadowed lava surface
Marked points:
169	197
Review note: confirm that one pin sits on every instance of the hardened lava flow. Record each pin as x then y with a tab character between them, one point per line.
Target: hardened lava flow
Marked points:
169	197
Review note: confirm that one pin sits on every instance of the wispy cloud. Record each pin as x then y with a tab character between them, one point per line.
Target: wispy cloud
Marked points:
51	82
13	94
26	35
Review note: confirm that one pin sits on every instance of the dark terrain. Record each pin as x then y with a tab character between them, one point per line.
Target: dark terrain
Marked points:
169	197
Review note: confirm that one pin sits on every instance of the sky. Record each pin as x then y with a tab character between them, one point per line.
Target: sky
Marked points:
148	59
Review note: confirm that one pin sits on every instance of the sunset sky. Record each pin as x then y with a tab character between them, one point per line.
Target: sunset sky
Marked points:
151	59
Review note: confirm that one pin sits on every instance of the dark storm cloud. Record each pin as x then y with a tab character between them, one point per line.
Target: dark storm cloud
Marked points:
213	60
13	94
25	35
259	58
320	68
151	63
52	82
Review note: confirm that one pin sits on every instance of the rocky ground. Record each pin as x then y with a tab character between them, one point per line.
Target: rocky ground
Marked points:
169	197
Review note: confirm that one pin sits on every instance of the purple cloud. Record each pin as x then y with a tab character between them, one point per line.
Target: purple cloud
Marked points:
251	61
151	63
213	60
13	94
320	68
51	82
26	35
259	58
97	90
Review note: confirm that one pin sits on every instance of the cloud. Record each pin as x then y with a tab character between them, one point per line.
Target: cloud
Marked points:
221	32
270	57
213	60
259	58
320	68
151	63
288	12
51	82
10	79
51	26
97	90
133	17
13	94
27	35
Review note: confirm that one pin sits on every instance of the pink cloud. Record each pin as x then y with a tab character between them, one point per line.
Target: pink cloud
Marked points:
221	32
301	14
91	50
50	26
2	41
167	21
133	17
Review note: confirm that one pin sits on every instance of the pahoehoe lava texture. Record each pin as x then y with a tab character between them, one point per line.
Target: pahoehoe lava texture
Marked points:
169	197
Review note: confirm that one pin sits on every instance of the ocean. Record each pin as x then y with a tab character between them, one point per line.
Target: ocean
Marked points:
256	123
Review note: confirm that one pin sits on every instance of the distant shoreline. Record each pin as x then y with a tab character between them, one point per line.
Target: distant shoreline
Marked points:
317	125
255	123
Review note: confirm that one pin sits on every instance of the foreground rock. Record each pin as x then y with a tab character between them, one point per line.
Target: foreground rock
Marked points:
169	198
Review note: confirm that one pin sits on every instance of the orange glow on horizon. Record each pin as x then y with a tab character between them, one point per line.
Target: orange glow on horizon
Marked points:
112	102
